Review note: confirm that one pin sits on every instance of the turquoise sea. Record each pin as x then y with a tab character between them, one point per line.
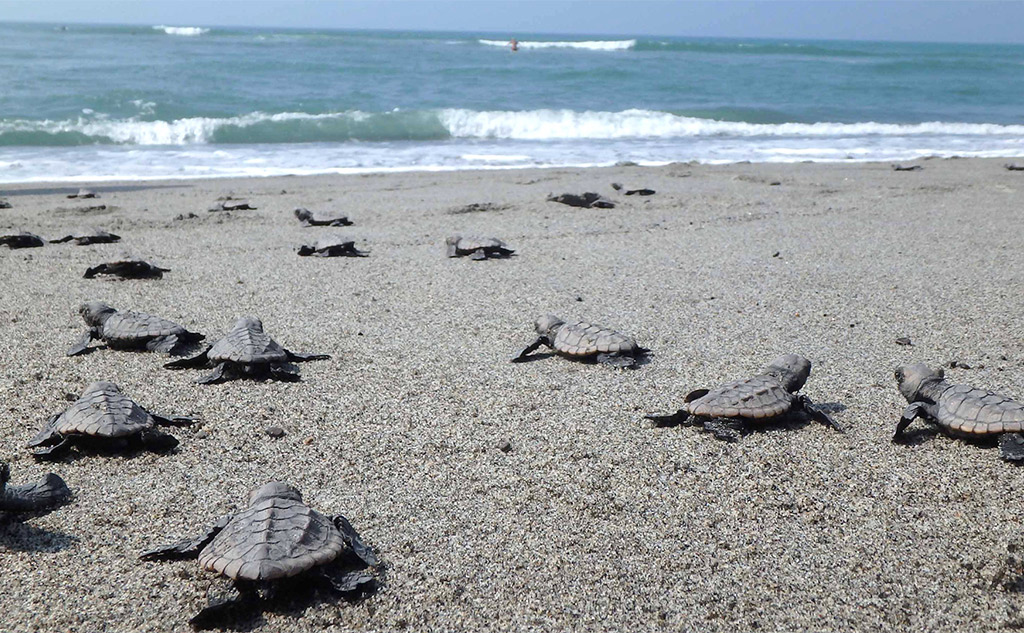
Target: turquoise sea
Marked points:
169	101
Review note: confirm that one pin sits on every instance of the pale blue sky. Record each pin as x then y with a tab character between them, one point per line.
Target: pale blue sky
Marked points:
898	20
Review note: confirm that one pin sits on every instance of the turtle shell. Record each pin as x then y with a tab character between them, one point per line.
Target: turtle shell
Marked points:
760	397
274	537
966	410
582	339
103	411
247	344
133	327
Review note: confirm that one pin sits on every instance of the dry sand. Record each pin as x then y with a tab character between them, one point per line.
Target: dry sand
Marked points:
594	520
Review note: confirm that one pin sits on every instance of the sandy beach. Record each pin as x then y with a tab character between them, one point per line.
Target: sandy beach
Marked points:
593	520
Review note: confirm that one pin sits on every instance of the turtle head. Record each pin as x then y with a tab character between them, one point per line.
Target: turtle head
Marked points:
249	322
275	490
910	378
302	213
791	370
95	312
548	325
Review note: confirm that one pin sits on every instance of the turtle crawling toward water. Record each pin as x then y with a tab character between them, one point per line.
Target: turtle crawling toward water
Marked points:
21	239
729	410
313	218
332	247
231	204
84	193
477	247
32	499
131	330
246	351
579	340
89	236
103	416
278	539
960	410
127	269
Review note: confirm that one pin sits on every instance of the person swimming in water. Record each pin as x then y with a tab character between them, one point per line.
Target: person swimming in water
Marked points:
514	44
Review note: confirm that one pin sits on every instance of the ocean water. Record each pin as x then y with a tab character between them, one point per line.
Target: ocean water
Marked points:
171	101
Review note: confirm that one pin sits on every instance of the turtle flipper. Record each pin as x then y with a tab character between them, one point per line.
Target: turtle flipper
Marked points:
220	373
200	360
301	358
225	604
478	254
724	429
162	344
679	417
174	420
363	551
1011	447
348	582
46	435
286	372
82	344
46	494
157	441
95	270
531	348
819	415
53	451
913	411
188	548
617	360
695	394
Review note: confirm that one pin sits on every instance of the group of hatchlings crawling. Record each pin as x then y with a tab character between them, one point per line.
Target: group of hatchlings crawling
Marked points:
278	537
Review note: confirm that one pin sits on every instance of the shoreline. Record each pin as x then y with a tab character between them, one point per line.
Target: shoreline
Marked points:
592	519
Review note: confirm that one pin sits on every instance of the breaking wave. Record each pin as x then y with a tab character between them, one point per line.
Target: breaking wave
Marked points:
593	45
437	125
181	30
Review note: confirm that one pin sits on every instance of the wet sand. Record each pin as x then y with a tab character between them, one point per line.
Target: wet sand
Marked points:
593	520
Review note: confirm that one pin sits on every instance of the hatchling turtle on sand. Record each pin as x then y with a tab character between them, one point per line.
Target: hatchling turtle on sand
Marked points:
771	395
90	236
104	416
246	351
4	204
131	330
84	193
32	499
127	269
231	204
477	247
22	239
960	410
278	539
332	247
313	218
580	340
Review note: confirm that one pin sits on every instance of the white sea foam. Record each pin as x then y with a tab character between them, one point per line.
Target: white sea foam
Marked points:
592	45
190	31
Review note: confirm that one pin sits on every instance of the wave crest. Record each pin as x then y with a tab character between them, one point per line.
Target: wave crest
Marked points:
190	31
593	45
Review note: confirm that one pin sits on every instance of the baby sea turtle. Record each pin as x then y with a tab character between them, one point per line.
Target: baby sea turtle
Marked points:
90	236
84	193
276	540
332	247
896	167
31	499
4	204
313	218
21	239
103	416
246	351
769	396
580	340
477	247
587	200
960	410
1013	167
130	330
127	269
231	204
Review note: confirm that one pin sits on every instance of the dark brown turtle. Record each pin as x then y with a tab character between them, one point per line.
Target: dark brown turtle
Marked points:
246	351
588	200
104	417
127	269
277	540
477	247
1013	167
232	204
732	408
89	236
584	341
84	193
32	499
960	410
22	239
896	167
4	204
313	218
332	247
131	330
